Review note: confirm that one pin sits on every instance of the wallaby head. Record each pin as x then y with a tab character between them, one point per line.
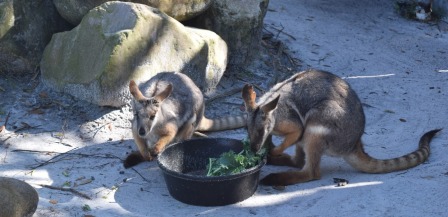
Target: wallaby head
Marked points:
260	121
146	108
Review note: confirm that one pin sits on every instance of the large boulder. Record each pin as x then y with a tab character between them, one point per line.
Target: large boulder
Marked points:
26	27
74	10
239	23
440	7
17	198
7	16
119	41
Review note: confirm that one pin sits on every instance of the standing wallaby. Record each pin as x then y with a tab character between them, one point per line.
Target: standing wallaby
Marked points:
169	108
321	114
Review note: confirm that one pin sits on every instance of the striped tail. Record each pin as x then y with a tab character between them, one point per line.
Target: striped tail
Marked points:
363	162
219	124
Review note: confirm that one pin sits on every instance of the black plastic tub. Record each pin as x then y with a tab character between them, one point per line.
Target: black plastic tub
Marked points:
184	165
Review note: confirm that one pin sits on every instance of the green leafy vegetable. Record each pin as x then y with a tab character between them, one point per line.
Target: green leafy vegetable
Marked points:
232	163
86	208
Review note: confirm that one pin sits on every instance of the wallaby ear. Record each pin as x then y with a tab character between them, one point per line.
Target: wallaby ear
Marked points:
270	106
249	96
136	93
164	94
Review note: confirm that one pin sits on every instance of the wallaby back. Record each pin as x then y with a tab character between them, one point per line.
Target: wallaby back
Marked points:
169	108
320	114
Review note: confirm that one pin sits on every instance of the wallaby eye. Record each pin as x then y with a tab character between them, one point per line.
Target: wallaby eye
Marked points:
152	117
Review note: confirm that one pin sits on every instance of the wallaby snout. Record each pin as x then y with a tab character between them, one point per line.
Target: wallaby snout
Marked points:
141	132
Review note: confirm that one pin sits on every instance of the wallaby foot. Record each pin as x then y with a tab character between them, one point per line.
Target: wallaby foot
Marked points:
281	160
288	178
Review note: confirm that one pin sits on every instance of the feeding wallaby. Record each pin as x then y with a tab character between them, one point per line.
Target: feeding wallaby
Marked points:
321	114
169	108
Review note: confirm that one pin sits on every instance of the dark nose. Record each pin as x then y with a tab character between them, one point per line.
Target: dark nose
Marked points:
141	131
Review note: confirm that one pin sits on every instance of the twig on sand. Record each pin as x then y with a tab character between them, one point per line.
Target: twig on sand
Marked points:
52	160
25	126
141	175
35	151
101	127
71	190
282	32
290	58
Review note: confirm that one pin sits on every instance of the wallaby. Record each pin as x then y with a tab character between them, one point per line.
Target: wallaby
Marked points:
321	114
169	108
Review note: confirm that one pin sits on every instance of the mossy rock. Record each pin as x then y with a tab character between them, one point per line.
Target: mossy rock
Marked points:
117	42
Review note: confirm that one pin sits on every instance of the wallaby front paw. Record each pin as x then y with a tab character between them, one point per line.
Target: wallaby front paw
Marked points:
156	151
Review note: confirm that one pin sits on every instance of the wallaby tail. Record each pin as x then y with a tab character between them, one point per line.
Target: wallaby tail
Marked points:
360	160
133	159
225	123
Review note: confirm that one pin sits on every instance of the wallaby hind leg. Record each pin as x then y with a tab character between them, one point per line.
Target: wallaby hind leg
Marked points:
186	132
313	150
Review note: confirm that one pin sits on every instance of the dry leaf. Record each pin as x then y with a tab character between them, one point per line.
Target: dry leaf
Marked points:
53	201
43	94
36	111
2	128
389	111
82	177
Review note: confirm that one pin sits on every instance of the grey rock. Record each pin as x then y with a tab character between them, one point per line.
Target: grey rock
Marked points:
28	28
18	198
74	10
239	23
119	41
7	16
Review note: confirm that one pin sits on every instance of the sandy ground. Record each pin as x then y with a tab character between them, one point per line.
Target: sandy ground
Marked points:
398	68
